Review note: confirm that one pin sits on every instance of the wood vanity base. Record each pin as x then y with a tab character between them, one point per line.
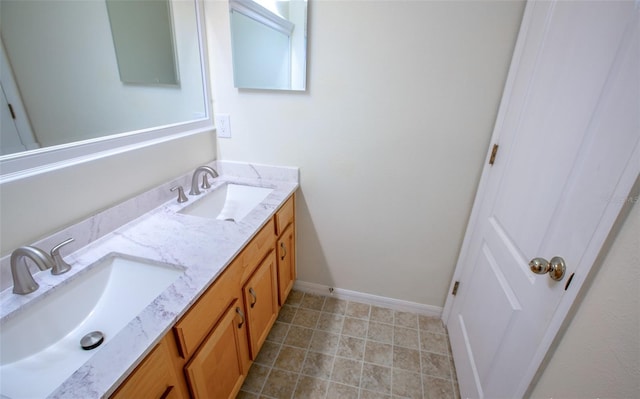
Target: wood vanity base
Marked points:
209	350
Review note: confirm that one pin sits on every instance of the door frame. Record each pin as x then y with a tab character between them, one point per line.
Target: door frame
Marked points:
604	234
10	87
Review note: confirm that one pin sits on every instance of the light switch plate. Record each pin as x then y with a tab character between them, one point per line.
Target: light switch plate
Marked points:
223	125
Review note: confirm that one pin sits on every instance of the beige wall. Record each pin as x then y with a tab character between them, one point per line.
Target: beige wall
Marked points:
390	136
599	354
38	206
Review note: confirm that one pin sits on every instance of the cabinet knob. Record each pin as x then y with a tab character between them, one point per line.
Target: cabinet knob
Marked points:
255	297
239	312
284	250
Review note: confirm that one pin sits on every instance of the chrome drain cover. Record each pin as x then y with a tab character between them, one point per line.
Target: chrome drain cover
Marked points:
92	340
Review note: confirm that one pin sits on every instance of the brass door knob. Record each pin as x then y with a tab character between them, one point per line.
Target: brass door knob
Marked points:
556	267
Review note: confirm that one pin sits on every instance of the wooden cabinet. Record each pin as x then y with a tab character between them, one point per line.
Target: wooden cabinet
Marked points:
213	344
286	254
154	378
285	215
230	321
286	249
212	338
191	330
217	369
261	301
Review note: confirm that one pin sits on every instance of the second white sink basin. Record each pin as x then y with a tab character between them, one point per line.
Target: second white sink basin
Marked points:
40	347
228	202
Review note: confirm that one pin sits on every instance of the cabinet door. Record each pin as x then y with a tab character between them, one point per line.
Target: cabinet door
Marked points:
217	368
286	252
155	378
261	302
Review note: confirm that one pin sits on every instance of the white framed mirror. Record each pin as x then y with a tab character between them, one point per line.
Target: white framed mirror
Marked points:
269	44
61	75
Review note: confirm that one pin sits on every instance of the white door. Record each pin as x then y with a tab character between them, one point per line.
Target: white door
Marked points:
9	138
568	131
16	134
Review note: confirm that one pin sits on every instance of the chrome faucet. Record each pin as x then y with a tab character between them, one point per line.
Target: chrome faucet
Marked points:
205	183
23	282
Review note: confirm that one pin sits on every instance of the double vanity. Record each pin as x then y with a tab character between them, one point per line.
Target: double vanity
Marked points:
169	298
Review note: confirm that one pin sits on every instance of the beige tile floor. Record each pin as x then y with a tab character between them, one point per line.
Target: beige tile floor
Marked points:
323	347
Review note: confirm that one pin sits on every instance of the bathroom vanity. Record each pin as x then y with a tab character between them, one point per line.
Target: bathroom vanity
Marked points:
213	344
199	337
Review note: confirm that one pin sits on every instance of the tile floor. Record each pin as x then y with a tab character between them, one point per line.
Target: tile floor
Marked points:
322	347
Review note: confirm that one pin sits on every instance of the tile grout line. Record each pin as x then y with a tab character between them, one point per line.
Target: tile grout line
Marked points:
393	357
306	351
295	385
422	379
280	345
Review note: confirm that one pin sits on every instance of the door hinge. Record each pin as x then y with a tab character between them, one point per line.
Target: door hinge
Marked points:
13	114
494	151
455	288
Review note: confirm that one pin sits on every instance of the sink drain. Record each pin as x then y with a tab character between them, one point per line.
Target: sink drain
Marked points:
92	340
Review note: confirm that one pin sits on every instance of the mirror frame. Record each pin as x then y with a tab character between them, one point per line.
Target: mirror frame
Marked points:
29	163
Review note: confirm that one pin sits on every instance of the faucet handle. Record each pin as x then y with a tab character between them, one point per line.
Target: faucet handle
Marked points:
59	265
181	197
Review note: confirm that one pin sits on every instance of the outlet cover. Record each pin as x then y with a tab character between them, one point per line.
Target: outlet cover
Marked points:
223	126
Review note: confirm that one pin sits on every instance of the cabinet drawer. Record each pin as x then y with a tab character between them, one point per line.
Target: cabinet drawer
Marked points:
192	329
256	250
284	216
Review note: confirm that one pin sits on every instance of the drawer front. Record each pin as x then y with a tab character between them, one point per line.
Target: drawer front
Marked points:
256	250
192	329
285	215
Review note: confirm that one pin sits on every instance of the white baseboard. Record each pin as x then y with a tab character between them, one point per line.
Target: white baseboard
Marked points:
395	304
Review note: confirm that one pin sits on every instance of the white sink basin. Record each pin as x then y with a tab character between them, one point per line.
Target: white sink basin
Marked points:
40	347
228	202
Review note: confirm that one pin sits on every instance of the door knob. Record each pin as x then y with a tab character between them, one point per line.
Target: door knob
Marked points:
556	267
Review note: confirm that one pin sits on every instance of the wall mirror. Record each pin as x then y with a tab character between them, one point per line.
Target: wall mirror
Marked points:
269	44
61	71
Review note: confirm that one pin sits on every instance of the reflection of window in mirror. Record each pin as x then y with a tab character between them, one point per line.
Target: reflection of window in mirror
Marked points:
143	39
268	43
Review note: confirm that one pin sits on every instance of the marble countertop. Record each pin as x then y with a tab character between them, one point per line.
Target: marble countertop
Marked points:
149	227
